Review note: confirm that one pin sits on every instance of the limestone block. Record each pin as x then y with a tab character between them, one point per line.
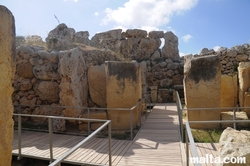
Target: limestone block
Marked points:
73	85
47	90
229	116
59	125
234	143
7	71
123	91
229	91
47	71
244	80
25	70
136	33
247	103
60	38
154	93
156	34
97	85
139	48
170	48
202	82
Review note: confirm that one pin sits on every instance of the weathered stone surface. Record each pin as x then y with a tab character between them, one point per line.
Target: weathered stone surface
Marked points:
206	51
139	48
143	73
156	34
153	93
51	57
123	91
136	33
82	37
234	143
229	91
241	57
35	40
25	85
177	79
60	38
97	85
165	83
48	71
48	91
7	71
247	102
229	116
244	80
25	70
59	124
170	48
73	86
25	101
202	82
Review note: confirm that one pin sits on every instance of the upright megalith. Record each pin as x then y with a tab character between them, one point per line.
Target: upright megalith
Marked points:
244	85
202	82
123	90
7	70
170	48
73	86
97	85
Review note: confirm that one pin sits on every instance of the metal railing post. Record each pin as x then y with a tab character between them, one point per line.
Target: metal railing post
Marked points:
234	118
50	139
187	149
131	125
109	139
140	112
88	122
19	135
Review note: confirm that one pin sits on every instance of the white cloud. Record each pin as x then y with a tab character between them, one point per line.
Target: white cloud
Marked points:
186	38
146	13
96	13
216	48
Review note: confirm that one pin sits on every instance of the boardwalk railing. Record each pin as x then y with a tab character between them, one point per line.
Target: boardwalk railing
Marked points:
53	107
59	160
188	134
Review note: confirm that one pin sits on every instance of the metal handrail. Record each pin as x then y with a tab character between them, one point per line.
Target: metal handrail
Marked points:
59	160
189	138
96	108
188	133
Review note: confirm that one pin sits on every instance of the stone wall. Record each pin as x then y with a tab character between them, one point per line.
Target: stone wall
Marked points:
7	70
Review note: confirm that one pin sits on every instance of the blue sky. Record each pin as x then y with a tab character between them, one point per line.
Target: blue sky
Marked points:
197	23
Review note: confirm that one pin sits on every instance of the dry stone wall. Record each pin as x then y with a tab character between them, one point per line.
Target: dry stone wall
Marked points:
40	78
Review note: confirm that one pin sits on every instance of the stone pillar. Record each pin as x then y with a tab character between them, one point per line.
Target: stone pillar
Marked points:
7	70
229	91
123	90
97	85
154	94
244	81
73	86
202	80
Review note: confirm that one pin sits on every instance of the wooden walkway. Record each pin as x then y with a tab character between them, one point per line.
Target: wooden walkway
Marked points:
157	143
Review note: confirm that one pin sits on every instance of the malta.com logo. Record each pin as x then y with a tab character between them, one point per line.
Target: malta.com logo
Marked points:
210	159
